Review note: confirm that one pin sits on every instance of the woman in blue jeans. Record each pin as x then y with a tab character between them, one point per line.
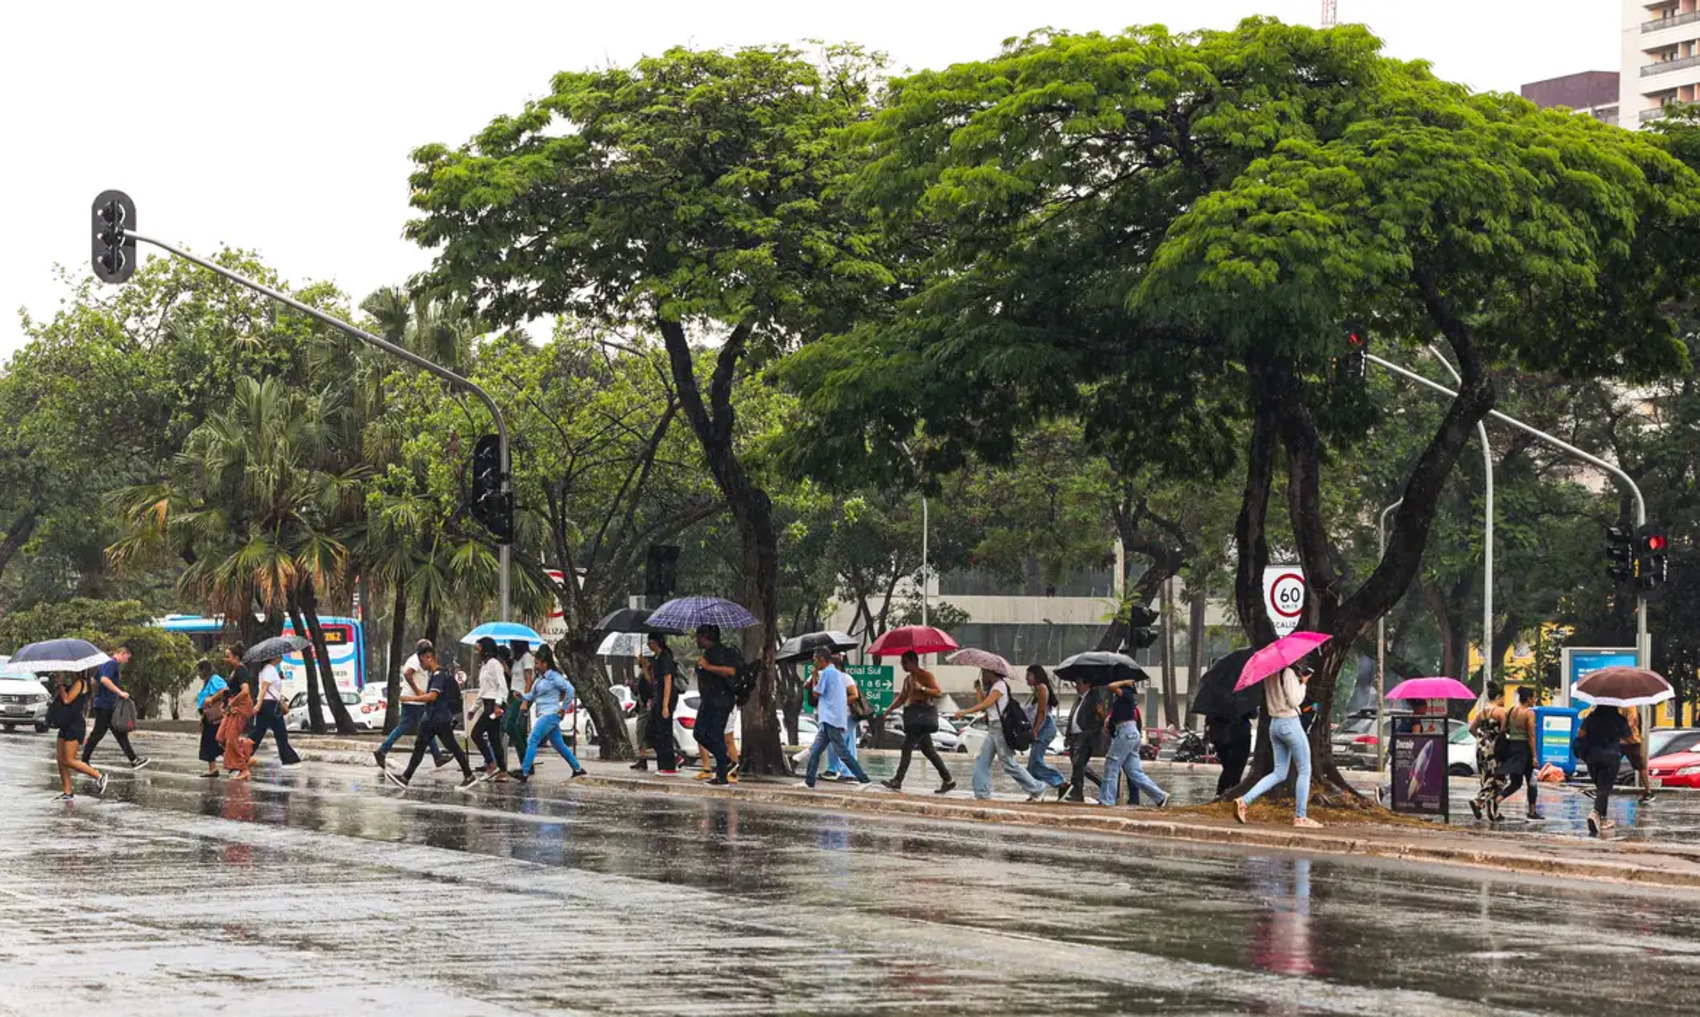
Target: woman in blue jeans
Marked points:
1044	727
552	694
1283	695
1123	757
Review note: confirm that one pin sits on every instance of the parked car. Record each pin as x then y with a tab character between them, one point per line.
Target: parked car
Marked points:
1357	748
945	739
1674	758
23	703
974	733
368	714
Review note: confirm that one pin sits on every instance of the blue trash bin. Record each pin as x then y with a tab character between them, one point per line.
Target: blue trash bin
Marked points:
1555	736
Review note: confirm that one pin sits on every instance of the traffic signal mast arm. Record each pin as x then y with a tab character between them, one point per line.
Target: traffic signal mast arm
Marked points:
382	344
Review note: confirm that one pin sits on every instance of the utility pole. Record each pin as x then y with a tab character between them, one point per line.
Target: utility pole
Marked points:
115	242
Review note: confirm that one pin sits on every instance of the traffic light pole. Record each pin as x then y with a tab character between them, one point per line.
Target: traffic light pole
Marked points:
1643	642
503	552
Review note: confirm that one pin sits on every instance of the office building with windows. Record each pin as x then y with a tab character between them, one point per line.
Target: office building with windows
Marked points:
1661	58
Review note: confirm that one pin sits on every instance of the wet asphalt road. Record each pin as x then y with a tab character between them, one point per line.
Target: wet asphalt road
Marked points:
316	891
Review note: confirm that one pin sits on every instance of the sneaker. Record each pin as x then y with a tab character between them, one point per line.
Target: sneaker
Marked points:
521	777
139	763
667	773
1034	796
804	783
1532	814
829	775
380	755
1646	796
705	775
482	776
845	778
1607	825
731	777
581	773
1164	803
892	785
1062	792
719	782
467	784
1307	823
1476	807
395	778
100	785
66	798
1593	824
946	788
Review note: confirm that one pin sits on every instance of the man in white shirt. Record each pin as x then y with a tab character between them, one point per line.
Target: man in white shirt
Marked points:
271	713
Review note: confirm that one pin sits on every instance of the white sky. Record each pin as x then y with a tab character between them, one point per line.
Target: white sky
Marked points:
285	127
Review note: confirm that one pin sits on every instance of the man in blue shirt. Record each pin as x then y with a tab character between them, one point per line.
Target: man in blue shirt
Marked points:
107	694
833	716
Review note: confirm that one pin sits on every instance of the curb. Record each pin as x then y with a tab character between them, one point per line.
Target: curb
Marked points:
1639	863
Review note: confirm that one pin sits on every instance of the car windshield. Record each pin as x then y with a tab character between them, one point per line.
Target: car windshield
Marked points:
1356	725
1664	743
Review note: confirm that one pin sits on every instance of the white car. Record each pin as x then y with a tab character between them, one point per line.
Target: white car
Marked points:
974	735
367	713
23	702
685	722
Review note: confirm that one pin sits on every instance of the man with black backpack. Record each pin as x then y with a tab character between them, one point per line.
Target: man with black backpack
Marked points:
717	671
1008	730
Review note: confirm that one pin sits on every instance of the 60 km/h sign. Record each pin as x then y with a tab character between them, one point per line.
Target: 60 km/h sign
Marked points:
1284	596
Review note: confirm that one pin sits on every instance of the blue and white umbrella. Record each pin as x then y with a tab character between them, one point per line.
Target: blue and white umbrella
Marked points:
503	632
52	656
686	613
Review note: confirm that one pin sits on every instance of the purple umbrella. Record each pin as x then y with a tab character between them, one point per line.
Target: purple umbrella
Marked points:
686	613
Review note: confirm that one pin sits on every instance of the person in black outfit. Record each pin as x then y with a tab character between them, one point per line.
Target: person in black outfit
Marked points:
70	697
666	685
1600	744
442	705
715	668
1085	736
1231	739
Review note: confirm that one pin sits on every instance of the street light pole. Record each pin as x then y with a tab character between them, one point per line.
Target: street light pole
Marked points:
503	552
1643	642
1381	654
1487	536
925	572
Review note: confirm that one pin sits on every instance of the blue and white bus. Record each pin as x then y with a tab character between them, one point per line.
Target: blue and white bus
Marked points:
345	639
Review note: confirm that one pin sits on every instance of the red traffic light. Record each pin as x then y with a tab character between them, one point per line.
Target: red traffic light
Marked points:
1355	340
1657	542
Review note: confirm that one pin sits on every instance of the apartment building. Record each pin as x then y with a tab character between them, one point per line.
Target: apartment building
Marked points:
1592	92
1661	58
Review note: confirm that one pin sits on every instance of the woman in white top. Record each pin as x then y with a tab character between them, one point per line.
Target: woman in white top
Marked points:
492	698
1283	695
271	714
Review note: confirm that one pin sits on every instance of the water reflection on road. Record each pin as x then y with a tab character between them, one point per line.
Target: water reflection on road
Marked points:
318	891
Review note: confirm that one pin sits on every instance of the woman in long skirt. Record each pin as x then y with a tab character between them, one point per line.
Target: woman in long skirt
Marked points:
233	732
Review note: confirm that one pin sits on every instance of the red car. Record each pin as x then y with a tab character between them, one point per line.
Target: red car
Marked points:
1678	769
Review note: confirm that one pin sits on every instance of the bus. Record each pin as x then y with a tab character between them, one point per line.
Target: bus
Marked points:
345	640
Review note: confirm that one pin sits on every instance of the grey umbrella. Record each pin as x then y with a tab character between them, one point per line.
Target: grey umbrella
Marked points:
273	648
803	646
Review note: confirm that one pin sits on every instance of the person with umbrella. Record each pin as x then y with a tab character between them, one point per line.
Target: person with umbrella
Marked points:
1125	740
107	695
69	699
268	653
1282	698
1086	737
1599	743
717	665
994	703
667	686
918	699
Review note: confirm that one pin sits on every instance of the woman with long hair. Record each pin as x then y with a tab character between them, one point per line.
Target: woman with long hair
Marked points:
66	713
1044	726
553	694
492	699
238	713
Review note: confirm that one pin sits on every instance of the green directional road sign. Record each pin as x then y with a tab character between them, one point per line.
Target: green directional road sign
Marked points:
878	683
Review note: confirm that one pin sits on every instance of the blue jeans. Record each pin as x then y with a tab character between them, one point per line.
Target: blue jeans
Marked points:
548	729
1287	738
833	760
831	737
994	747
270	718
1123	757
1036	764
410	716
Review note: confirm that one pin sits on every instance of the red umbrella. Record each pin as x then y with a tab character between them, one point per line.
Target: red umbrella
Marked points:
1280	654
920	638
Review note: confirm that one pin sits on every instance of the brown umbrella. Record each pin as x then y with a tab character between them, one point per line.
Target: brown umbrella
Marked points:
1622	686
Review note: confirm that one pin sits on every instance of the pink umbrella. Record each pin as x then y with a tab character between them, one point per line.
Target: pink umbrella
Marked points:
985	660
923	639
1275	657
1431	688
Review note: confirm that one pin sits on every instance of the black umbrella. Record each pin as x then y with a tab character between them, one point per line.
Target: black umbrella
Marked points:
803	646
1101	667
1216	697
273	648
626	619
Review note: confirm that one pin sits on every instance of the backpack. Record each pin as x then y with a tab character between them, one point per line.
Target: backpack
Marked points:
1017	725
743	682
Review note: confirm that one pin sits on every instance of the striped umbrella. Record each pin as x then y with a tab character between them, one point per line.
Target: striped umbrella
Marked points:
685	613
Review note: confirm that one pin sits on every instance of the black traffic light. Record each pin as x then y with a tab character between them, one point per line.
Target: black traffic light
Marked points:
1620	555
1357	352
492	500
114	252
1652	558
1140	630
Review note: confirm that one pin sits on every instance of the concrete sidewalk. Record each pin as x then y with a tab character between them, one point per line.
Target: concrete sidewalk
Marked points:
1644	863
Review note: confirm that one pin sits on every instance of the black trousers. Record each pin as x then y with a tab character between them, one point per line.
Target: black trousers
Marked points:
443	734
1079	754
271	718
710	733
1233	756
1602	770
487	735
1517	764
103	724
661	740
922	740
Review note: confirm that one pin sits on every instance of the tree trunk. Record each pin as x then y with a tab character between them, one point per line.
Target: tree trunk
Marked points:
315	711
591	683
1166	611
1453	655
398	647
322	661
17	535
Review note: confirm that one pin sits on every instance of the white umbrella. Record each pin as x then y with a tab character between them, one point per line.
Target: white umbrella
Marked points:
624	644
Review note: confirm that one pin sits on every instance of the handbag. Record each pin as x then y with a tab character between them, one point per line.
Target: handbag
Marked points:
859	708
920	718
213	713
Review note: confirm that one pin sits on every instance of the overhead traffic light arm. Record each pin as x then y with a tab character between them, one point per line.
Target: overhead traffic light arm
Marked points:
371	340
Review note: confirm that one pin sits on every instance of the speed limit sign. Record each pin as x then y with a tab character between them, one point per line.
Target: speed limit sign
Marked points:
1284	596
